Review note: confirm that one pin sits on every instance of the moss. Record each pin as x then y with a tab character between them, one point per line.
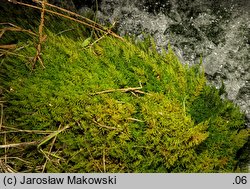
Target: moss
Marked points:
172	119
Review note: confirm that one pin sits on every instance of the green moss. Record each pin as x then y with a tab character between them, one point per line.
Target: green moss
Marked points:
174	119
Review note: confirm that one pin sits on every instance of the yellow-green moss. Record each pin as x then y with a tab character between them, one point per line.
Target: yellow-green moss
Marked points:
173	123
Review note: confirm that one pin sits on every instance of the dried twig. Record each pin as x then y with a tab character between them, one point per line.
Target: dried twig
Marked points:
102	29
41	38
71	13
10	46
14	28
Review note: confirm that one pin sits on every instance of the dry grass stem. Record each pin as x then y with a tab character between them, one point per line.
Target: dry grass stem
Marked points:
5	168
134	119
50	150
93	159
23	144
104	126
14	130
1	118
22	47
46	157
5	149
104	161
124	90
52	135
5	137
20	159
61	32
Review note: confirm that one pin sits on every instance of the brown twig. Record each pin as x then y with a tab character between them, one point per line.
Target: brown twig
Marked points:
10	46
15	28
41	39
72	13
73	19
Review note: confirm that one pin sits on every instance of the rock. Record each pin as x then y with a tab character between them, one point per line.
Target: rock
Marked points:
230	63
